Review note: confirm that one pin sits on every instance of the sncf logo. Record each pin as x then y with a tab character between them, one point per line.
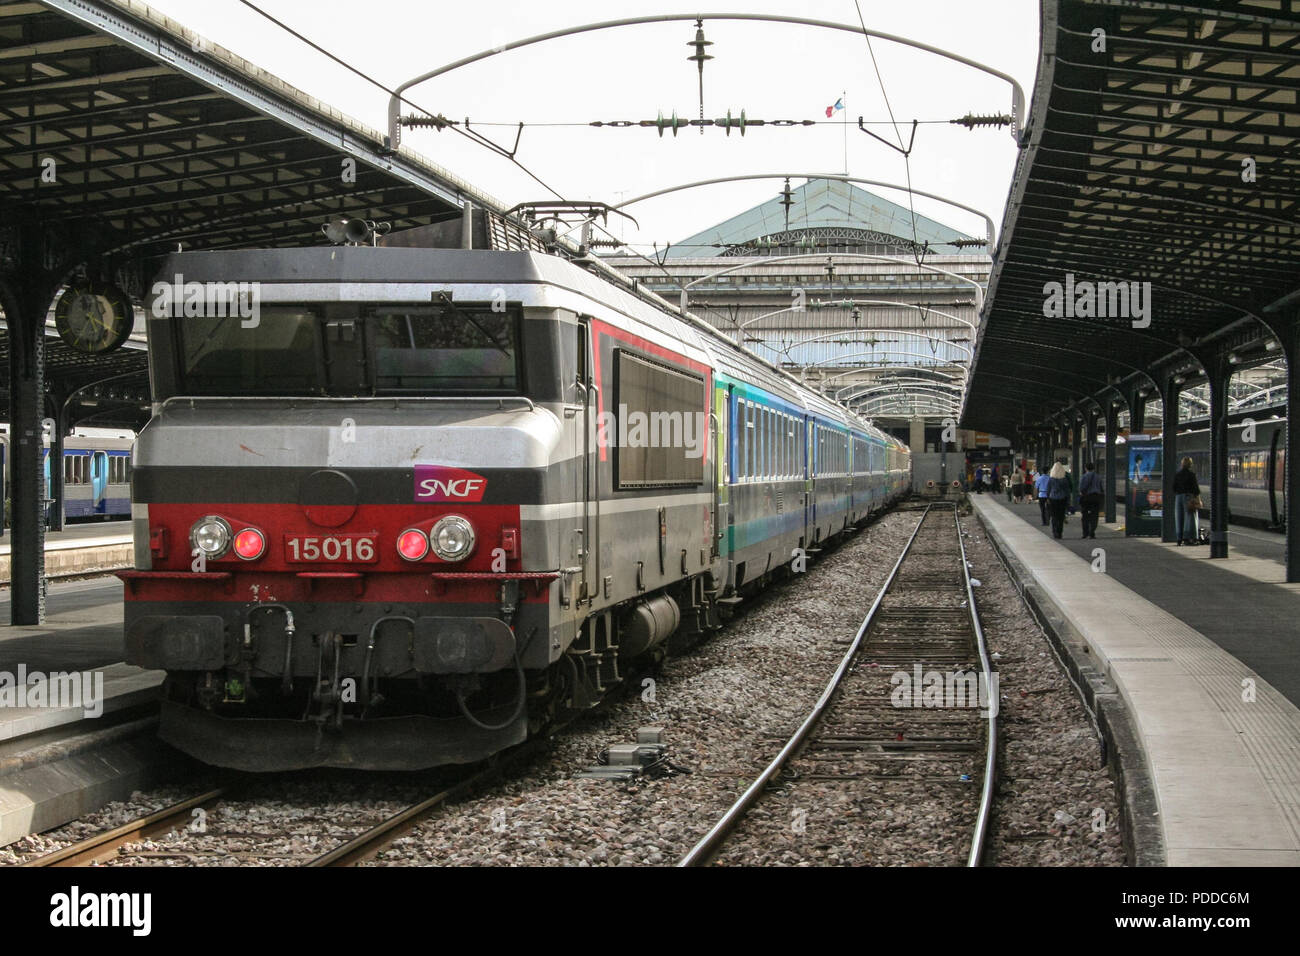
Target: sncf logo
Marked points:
436	483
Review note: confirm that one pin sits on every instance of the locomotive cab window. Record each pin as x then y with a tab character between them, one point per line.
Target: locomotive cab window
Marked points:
348	349
278	355
451	349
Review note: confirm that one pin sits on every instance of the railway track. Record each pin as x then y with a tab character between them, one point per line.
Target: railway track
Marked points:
118	843
107	845
874	725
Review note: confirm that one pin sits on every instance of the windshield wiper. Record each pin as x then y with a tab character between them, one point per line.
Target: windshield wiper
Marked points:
446	300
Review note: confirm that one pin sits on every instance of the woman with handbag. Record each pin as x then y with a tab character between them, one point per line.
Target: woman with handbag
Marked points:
1058	497
1187	502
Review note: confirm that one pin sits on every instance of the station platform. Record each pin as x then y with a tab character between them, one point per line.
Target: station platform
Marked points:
1206	657
82	629
79	549
60	760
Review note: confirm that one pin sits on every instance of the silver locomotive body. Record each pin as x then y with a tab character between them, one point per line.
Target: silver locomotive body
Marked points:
400	507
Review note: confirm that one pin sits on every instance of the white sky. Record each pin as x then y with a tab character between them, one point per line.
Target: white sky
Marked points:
772	71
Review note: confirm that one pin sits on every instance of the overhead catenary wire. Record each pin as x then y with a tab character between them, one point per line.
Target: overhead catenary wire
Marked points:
907	162
482	141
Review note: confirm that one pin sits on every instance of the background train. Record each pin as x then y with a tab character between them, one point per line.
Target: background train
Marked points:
433	498
1256	469
96	476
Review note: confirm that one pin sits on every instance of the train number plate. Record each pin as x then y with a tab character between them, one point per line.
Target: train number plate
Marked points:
340	548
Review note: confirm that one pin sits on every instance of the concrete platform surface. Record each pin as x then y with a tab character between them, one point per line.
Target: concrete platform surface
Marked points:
1222	743
82	629
81	549
1241	602
88	535
113	688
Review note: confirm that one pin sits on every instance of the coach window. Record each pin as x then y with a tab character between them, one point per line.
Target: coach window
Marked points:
785	446
747	430
767	442
746	441
764	469
741	439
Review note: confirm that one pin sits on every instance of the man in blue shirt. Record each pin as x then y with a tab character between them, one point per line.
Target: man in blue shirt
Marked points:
1040	489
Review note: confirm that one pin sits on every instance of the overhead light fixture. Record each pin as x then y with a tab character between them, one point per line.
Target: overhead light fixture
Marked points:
1270	345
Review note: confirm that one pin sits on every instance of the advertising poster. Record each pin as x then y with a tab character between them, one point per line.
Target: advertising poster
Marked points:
1144	489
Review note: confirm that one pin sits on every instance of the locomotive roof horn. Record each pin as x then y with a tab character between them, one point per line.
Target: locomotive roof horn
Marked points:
354	232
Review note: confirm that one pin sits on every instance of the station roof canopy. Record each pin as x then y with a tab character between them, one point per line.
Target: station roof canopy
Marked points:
124	133
819	204
1161	148
158	136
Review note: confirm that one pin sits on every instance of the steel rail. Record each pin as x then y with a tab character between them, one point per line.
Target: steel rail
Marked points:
367	844
103	845
708	844
991	752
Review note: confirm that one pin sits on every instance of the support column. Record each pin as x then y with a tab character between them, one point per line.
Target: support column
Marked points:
916	435
1076	442
1137	412
25	309
1112	465
1219	374
1169	393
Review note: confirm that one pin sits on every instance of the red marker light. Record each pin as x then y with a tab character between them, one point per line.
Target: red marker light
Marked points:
249	544
412	544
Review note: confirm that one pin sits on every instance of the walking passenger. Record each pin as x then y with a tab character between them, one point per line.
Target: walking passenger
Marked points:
1092	493
1040	488
1058	497
1186	494
1017	486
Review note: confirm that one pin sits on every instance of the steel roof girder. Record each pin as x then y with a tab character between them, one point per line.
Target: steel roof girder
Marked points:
147	40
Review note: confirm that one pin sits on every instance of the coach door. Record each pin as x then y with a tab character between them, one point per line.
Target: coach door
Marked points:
719	432
1274	475
99	482
809	485
588	490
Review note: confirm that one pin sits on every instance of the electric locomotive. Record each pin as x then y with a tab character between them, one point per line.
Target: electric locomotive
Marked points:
399	507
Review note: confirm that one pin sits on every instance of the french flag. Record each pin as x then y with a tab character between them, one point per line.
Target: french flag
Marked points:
831	110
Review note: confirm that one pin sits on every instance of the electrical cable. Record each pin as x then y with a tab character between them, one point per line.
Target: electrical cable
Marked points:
482	141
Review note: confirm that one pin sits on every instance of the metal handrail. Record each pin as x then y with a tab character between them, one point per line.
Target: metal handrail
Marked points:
345	399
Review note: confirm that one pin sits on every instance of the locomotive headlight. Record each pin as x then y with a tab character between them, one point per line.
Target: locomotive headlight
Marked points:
452	538
211	535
